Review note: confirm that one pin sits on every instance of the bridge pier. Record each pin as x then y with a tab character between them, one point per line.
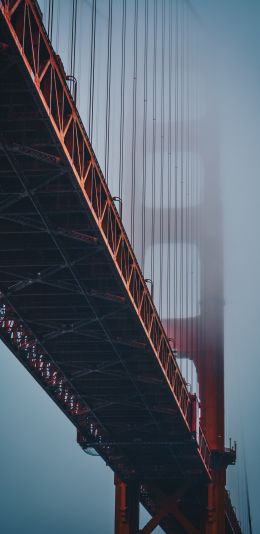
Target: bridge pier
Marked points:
215	523
126	507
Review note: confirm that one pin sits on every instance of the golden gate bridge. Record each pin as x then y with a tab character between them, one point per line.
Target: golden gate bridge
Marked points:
125	335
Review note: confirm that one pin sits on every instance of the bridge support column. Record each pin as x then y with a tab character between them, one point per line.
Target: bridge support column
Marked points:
215	523
126	507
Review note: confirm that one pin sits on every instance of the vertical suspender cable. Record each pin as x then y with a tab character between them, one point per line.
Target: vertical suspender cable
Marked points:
187	203
192	208
169	204
134	125
144	134
81	46
70	47
73	27
200	311
162	163
50	19
122	104
248	507
109	48
249	517
154	139
73	47
45	13
197	202
58	27
176	155
92	69
182	176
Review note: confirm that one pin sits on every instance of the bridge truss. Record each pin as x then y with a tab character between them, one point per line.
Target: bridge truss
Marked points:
75	308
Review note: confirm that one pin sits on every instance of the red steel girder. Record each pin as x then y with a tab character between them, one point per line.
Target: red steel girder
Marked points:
23	19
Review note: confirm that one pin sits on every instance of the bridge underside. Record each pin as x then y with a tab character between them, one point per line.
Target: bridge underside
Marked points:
58	281
68	318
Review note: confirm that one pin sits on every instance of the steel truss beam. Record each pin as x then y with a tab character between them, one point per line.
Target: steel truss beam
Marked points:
82	324
169	505
21	340
52	90
13	199
31	153
77	156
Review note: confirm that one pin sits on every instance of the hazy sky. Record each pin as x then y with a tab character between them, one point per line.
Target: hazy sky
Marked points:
47	483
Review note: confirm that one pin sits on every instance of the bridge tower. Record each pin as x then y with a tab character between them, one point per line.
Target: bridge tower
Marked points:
208	340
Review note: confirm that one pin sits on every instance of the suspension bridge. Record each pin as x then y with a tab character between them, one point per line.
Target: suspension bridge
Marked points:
125	334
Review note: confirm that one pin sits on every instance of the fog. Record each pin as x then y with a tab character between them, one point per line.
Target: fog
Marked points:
234	43
45	477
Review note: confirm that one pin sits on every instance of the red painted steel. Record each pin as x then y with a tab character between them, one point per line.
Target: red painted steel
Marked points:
126	507
24	22
37	360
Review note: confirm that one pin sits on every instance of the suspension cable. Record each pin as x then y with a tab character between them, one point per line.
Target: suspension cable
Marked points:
134	125
122	103
187	204
108	100
154	138
58	27
176	152
144	136
169	170
92	69
50	19
162	163
182	178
